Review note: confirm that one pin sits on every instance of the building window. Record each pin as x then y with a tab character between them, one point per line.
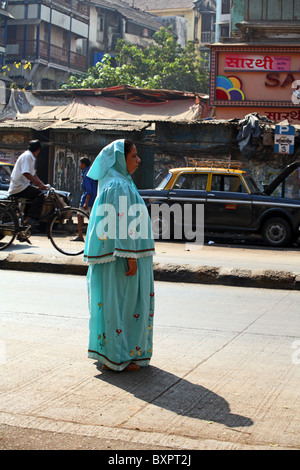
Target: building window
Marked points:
224	31
132	28
100	23
65	43
46	32
11	34
225	8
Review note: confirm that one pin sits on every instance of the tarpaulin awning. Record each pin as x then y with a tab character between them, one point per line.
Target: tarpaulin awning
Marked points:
29	106
113	108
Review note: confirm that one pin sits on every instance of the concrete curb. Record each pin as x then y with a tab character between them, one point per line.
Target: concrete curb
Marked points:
268	279
39	263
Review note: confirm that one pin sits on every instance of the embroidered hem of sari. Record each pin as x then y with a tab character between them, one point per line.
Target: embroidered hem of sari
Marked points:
121	254
116	367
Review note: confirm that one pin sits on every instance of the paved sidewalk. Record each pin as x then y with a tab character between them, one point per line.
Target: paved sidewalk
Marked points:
224	373
250	266
227	382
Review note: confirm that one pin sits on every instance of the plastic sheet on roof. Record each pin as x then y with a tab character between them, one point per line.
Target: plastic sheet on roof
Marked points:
99	107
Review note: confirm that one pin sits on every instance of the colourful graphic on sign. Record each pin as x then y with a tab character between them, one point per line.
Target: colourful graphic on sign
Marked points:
229	88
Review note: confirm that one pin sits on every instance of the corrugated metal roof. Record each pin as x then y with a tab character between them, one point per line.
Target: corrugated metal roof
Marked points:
148	5
91	125
96	125
31	124
133	14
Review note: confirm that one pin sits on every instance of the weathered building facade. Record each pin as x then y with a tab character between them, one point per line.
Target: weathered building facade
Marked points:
199	16
51	36
64	143
75	123
4	17
113	20
56	39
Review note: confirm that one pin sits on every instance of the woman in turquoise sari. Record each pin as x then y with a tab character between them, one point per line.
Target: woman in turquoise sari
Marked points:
119	249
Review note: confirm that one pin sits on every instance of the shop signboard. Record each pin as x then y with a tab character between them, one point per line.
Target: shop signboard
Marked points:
263	79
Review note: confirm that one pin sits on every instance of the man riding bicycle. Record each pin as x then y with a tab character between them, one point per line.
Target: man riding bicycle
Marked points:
23	178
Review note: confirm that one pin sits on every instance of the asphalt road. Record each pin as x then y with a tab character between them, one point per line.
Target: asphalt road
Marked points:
224	374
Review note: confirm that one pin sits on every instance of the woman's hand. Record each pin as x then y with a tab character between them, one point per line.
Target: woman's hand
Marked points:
132	264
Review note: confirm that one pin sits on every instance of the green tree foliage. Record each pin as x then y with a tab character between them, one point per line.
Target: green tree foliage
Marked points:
164	64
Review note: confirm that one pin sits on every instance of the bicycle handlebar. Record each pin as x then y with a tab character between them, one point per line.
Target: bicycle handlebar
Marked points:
50	189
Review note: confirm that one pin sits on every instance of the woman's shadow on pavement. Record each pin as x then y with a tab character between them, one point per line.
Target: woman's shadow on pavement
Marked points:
175	394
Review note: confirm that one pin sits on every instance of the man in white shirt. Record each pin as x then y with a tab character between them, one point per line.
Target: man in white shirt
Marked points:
23	177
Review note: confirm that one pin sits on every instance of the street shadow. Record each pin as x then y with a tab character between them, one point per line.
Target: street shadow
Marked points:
172	393
20	247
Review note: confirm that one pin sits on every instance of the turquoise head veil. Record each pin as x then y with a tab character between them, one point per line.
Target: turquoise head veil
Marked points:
111	157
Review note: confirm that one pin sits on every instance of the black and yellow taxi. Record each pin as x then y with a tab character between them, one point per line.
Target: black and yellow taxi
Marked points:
231	200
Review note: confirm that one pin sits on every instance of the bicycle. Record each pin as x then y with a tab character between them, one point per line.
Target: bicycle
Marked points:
61	220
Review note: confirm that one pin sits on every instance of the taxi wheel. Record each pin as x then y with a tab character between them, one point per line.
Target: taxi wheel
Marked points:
277	232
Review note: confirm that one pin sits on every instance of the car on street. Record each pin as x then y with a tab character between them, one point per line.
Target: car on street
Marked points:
231	199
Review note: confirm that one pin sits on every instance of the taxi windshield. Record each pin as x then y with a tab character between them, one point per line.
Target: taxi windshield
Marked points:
5	173
164	181
251	184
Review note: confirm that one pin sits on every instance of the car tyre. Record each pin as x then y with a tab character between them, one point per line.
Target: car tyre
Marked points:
277	232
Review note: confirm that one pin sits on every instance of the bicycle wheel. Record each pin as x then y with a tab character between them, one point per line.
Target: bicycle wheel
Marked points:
8	226
63	229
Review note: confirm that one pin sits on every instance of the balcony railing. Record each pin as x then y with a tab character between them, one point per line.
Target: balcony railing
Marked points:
208	37
41	50
78	7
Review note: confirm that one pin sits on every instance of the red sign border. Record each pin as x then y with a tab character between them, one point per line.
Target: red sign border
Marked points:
217	49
